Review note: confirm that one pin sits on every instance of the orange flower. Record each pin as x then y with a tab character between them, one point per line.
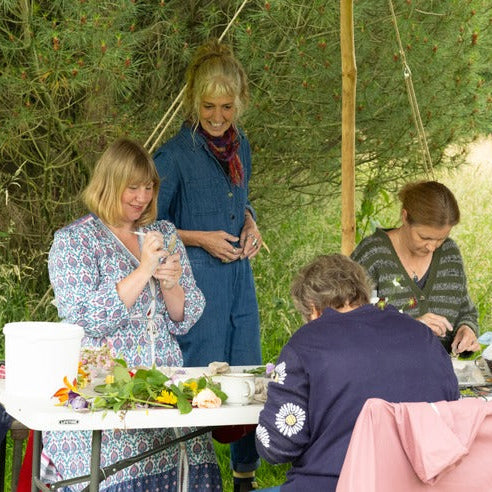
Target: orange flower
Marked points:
83	377
63	394
81	372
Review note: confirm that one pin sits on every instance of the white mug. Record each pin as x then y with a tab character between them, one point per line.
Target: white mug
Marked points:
239	388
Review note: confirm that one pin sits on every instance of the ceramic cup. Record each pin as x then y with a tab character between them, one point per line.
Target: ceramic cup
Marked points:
239	388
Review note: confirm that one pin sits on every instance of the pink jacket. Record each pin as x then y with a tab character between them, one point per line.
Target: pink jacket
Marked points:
407	447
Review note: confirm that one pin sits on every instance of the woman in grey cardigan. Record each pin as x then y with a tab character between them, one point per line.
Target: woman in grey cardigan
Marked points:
419	269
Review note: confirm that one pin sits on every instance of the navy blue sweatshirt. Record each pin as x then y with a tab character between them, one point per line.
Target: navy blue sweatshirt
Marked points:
327	371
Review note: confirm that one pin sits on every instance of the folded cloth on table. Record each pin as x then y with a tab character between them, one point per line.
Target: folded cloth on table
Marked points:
218	368
261	386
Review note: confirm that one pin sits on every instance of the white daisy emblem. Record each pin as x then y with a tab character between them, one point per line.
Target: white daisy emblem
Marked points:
290	419
280	373
263	436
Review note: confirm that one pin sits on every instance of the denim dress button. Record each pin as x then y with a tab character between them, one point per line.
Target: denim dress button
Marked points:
230	195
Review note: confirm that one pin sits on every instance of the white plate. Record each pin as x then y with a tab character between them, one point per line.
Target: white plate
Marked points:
468	373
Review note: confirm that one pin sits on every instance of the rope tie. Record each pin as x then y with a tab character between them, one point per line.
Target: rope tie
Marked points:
407	76
178	100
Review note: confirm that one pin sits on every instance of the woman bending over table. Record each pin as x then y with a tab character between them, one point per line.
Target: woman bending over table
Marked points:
134	292
419	269
348	351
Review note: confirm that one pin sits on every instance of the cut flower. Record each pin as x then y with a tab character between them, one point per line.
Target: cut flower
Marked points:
69	395
206	399
124	389
167	397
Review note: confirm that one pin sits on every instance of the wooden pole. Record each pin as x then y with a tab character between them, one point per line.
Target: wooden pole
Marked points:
349	81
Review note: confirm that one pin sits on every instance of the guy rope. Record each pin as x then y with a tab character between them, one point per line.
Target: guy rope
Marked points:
178	102
407	75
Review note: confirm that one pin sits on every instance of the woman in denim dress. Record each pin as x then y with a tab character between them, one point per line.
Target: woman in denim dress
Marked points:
205	171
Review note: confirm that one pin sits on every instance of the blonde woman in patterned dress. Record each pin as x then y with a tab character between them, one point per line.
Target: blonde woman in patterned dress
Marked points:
126	290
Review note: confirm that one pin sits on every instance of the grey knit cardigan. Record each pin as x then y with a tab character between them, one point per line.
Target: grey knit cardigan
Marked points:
445	291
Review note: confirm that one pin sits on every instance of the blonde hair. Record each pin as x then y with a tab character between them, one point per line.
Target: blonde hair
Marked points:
330	281
429	203
123	163
214	72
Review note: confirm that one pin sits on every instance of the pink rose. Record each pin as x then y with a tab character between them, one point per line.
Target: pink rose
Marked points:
206	399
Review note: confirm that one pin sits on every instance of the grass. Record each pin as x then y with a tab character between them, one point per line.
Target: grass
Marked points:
293	242
473	189
308	231
314	230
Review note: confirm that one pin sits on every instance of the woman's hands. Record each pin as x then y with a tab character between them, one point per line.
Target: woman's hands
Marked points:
437	323
152	252
220	244
465	340
166	268
169	271
250	239
157	262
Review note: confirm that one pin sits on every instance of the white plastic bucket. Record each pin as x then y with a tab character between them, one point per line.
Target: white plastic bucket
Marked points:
38	355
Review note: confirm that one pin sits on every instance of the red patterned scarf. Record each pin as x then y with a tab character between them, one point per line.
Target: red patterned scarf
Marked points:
224	149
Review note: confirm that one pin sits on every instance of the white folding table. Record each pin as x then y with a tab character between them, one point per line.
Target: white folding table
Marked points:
43	415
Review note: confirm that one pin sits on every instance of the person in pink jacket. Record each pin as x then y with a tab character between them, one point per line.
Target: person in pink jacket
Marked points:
412	447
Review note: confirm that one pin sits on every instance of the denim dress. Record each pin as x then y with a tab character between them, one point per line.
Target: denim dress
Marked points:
197	195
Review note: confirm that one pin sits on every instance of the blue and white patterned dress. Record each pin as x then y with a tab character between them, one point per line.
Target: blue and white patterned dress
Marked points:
86	261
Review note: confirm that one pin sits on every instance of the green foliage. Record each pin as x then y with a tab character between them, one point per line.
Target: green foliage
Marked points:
74	75
147	387
18	299
293	242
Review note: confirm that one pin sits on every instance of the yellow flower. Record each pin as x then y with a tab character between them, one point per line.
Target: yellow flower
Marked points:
83	377
167	397
193	385
109	379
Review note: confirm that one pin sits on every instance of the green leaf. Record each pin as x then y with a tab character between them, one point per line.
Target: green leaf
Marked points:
99	403
121	374
156	377
215	387
141	374
118	405
184	405
201	383
105	388
121	362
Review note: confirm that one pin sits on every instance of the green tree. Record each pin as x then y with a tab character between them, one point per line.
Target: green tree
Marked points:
76	74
